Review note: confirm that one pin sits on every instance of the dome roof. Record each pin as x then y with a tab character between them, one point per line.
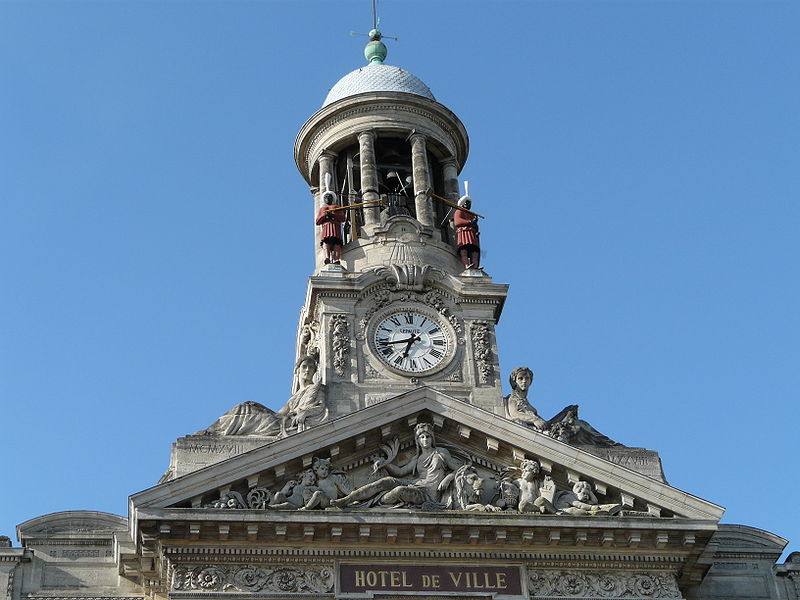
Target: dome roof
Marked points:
377	78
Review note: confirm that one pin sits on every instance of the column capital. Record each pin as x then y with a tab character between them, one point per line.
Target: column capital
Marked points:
366	133
415	137
450	161
327	155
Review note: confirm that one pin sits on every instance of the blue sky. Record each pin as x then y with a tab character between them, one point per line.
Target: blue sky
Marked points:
637	162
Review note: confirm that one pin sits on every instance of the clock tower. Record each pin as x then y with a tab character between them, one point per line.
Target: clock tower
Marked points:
400	309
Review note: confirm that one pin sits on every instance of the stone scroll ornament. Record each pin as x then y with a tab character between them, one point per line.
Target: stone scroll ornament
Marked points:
307	407
234	578
340	344
585	584
565	426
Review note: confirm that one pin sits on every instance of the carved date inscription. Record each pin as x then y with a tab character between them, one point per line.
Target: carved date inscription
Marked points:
364	578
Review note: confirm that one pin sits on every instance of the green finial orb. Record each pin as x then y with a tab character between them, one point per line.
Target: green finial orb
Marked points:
375	51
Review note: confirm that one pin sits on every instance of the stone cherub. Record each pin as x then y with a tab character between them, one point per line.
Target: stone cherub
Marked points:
315	488
331	484
582	501
419	481
296	494
534	488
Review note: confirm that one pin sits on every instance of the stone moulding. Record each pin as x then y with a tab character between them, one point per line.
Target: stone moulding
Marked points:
379	110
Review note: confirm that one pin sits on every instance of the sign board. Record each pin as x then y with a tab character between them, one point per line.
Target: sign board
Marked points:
367	578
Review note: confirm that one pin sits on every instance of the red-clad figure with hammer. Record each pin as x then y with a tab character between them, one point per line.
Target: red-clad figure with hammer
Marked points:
468	236
330	217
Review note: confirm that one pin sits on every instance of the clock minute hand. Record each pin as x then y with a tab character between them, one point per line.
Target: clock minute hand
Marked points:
405	341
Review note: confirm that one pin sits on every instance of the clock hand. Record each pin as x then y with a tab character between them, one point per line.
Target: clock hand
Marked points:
410	343
405	341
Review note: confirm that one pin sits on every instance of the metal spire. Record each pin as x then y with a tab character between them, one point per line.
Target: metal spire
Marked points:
375	51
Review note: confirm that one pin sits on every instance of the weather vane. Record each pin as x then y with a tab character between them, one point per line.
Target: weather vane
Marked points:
375	35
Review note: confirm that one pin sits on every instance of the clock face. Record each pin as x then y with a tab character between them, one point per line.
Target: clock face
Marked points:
411	342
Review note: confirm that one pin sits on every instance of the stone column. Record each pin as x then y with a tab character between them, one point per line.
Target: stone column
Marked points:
325	162
450	175
451	192
422	179
369	176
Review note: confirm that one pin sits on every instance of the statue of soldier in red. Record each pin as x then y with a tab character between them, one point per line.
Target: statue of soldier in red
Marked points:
331	219
466	224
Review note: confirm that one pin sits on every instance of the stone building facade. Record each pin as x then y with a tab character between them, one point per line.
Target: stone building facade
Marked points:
397	469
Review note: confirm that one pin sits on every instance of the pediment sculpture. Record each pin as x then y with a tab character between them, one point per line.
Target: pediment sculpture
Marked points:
427	476
565	426
307	407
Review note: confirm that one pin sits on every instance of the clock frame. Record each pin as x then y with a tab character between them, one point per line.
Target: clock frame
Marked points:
411	340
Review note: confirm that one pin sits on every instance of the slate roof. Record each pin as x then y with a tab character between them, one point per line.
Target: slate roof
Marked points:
377	78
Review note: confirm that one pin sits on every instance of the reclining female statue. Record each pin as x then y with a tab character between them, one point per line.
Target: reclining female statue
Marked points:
429	472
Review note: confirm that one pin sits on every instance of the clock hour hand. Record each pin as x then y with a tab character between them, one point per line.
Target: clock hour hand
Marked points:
410	343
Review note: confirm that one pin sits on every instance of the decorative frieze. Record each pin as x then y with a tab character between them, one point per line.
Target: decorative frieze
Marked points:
586	584
248	578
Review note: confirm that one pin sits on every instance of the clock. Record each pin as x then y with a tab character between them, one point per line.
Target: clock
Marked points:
411	342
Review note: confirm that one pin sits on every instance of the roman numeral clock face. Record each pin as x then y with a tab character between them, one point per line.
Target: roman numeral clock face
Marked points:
411	342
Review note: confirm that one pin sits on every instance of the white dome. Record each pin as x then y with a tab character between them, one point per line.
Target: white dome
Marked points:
377	78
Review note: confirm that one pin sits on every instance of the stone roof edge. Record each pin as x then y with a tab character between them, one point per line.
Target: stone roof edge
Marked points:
425	398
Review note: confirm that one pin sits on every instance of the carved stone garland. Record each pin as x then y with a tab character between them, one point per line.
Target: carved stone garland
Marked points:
380	298
248	578
582	584
340	344
384	296
482	343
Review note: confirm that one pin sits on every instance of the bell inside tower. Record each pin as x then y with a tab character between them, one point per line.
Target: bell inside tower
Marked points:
384	180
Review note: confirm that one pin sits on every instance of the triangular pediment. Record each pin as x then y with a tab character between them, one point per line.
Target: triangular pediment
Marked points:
493	445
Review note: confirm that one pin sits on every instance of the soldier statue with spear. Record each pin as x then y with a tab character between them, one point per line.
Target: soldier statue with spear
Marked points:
330	218
466	224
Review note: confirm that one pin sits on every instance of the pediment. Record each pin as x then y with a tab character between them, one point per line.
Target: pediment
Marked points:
493	445
72	524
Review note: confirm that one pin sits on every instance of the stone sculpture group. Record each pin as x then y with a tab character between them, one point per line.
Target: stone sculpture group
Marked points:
307	407
429	478
565	426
